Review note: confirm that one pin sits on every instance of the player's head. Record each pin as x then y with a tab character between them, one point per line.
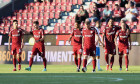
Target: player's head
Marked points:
123	24
15	24
116	6
87	24
81	7
110	22
77	24
36	24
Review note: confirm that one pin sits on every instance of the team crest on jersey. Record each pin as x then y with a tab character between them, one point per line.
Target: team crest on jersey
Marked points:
38	32
91	31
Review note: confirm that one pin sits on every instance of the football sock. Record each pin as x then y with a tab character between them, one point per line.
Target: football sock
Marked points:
111	61
89	61
79	62
84	62
44	62
94	64
120	61
19	60
14	62
126	61
30	62
98	63
76	61
106	59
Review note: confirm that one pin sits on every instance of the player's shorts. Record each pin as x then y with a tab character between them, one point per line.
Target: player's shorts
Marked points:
97	51
122	51
77	50
38	49
16	50
90	51
111	49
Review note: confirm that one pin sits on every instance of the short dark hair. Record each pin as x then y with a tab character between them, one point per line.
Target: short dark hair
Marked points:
87	22
78	22
116	5
110	19
15	21
106	6
36	22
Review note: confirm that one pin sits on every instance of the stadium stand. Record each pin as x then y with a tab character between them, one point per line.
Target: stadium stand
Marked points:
57	17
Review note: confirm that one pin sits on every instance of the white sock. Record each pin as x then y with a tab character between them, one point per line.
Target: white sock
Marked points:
89	61
98	63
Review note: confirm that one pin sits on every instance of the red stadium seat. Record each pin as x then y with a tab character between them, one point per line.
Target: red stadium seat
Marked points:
46	9
68	30
29	23
63	7
24	15
42	4
56	29
41	8
41	15
30	16
36	4
68	8
46	15
57	15
18	16
36	9
80	2
45	22
74	2
40	22
52	8
51	15
35	15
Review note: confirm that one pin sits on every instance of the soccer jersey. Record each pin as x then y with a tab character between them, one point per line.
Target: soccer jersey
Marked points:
123	38
38	34
110	34
16	35
89	37
77	37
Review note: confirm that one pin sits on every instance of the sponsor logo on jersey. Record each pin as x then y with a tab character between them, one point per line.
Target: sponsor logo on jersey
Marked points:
123	36
111	33
16	35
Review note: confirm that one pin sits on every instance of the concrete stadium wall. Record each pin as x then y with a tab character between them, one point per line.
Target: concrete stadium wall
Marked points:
62	55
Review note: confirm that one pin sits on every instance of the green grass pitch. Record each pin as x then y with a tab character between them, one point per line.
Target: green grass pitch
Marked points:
66	74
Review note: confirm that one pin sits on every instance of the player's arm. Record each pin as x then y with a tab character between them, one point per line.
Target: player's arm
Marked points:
103	37
70	38
82	41
9	43
115	40
22	41
130	46
98	39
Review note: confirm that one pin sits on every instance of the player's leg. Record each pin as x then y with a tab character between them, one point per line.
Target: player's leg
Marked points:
120	52
112	52
19	57
13	52
79	62
14	62
44	63
75	59
19	61
107	60
120	61
89	61
34	52
84	63
111	61
94	63
98	58
126	61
